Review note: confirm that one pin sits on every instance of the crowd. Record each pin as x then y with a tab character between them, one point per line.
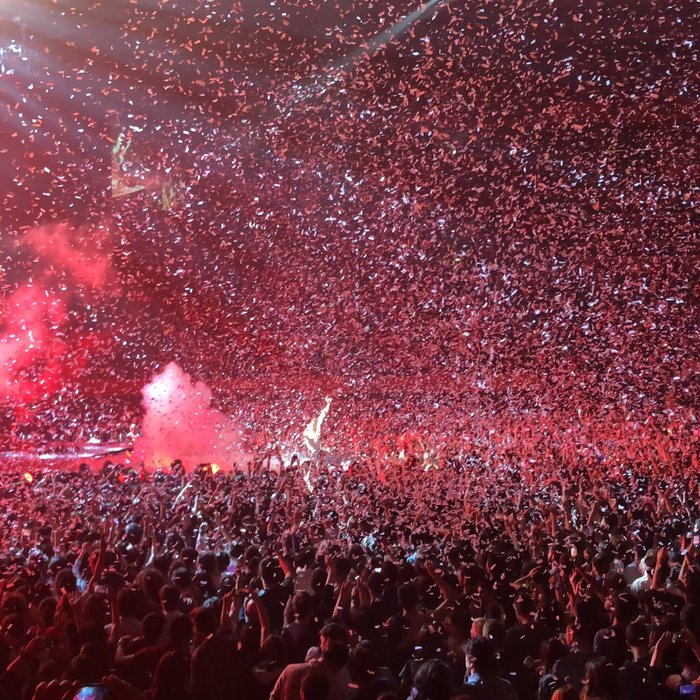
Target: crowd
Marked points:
311	582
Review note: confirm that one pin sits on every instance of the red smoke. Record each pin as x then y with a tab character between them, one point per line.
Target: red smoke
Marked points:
34	353
30	351
180	423
62	250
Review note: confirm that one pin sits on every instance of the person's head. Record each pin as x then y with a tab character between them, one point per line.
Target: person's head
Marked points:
318	580
649	562
343	566
428	644
14	629
480	657
222	561
152	580
128	600
578	635
524	608
153	626
270	572
600	681
477	627
624	608
335	655
433	681
458	624
332	632
181	631
169	598
495	632
204	623
207	562
408	597
86	667
551	651
302	606
65	581
361	664
181	578
314	686
375	584
47	610
273	652
15	604
171	678
637	637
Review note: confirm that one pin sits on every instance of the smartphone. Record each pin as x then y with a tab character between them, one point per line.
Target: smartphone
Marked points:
93	692
687	690
696	540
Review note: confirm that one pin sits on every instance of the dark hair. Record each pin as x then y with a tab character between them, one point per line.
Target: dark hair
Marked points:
524	605
153	626
375	582
428	644
408	596
600	680
204	621
342	566
314	686
207	561
361	663
482	655
128	600
222	561
637	633
336	655
65	580
273	652
152	580
181	629
302	604
181	577
270	571
335	632
318	579
461	619
626	607
433	680
169	597
171	677
551	651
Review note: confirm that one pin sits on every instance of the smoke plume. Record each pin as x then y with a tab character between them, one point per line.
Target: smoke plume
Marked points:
62	265
180	423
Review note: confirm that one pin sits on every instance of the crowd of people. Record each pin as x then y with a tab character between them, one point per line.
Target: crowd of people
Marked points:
314	582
